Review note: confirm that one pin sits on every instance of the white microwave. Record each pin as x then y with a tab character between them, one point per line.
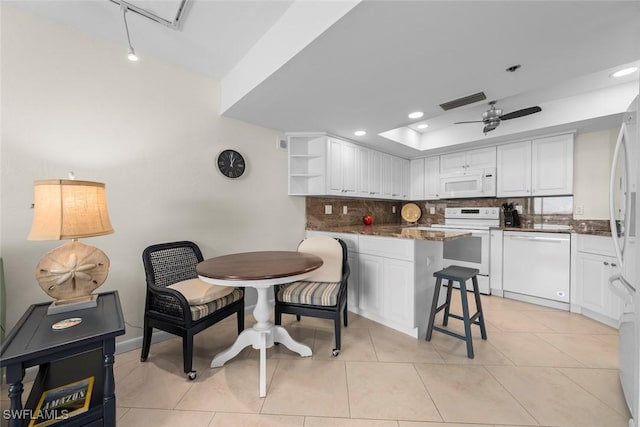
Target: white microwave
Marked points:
474	183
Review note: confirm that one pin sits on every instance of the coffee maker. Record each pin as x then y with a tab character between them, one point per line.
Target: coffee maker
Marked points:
511	217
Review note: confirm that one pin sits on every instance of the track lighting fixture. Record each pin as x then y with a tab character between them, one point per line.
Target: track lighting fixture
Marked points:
132	53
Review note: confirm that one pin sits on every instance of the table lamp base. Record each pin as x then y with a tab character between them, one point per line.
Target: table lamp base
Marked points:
64	306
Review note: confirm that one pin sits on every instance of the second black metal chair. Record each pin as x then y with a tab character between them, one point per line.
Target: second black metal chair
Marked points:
324	293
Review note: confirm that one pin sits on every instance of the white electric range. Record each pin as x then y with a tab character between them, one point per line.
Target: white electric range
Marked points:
472	251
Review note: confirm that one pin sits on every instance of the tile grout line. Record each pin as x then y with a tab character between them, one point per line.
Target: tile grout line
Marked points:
587	391
512	395
426	388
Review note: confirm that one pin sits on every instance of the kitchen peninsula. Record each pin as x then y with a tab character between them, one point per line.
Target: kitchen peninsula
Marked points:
392	270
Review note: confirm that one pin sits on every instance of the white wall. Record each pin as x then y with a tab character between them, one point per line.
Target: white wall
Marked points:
150	132
592	165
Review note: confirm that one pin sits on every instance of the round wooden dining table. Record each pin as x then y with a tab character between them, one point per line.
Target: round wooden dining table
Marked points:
259	270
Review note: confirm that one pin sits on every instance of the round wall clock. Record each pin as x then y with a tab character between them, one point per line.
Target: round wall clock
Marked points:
231	163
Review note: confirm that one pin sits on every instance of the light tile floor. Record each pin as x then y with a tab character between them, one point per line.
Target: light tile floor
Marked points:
539	367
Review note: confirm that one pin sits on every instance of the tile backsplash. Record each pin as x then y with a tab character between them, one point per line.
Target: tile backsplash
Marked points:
535	210
381	210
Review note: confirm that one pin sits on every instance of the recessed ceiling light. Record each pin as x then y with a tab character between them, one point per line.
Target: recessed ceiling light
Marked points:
624	72
416	115
423	126
360	133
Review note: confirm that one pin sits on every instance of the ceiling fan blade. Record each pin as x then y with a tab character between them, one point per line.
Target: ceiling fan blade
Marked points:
474	121
520	113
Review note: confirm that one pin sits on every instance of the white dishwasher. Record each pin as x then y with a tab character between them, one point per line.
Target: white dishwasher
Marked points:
536	267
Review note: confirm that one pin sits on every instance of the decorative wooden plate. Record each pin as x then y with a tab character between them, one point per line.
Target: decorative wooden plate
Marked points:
411	212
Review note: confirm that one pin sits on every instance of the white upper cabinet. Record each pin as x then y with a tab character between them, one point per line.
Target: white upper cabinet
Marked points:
399	173
321	165
376	174
453	163
514	169
460	162
393	177
552	166
542	167
363	172
424	178
387	175
432	178
341	168
417	181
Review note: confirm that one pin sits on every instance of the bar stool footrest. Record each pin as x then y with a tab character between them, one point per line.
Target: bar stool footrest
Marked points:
450	333
472	319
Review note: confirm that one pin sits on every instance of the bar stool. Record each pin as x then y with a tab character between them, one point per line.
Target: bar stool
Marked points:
460	275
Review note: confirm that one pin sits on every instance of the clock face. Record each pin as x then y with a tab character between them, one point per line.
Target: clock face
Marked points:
231	163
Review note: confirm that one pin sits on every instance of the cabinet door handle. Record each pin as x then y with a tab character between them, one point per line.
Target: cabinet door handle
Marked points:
613	264
605	263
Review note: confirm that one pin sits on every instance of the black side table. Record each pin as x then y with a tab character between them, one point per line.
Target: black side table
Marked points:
65	356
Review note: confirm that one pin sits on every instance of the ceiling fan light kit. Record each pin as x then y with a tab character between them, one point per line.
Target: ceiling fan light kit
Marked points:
493	116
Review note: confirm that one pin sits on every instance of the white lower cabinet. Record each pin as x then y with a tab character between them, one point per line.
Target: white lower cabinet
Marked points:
371	268
397	290
392	282
594	265
387	280
387	290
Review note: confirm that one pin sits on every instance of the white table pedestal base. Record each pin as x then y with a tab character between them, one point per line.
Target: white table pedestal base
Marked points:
261	337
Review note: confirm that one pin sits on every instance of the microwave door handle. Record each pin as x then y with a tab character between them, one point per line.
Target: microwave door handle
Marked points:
620	143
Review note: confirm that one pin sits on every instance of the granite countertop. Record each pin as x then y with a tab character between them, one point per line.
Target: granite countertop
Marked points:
531	228
406	231
549	228
399	231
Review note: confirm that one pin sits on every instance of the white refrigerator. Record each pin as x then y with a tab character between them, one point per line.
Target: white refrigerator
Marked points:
623	219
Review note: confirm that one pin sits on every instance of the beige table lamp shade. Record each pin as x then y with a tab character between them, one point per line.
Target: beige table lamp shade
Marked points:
70	209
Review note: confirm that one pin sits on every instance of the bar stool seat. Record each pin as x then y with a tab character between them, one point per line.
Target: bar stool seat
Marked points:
461	275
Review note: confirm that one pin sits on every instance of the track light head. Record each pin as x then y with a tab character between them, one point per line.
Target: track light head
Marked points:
131	55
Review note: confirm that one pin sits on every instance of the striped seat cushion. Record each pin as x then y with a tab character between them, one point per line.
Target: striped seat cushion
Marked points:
203	310
310	293
170	306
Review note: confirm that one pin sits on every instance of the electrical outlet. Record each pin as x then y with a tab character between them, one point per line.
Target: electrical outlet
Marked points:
519	209
344	210
432	210
579	209
328	209
393	209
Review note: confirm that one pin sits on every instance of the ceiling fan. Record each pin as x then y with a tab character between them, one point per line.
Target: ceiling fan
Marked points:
493	116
